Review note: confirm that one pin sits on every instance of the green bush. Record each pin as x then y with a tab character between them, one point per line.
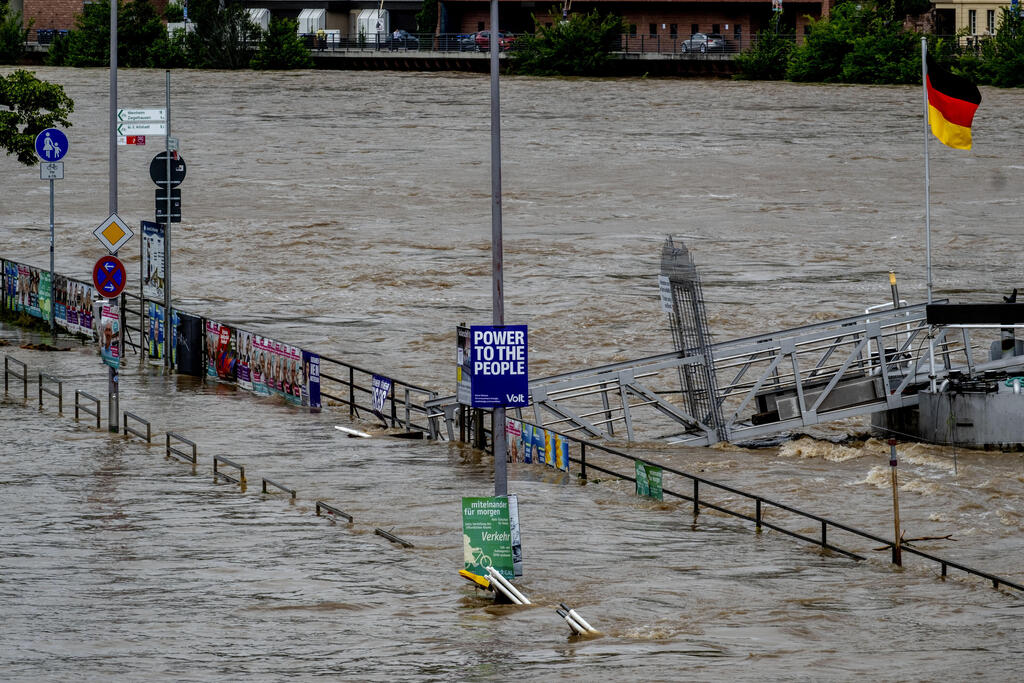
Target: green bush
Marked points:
12	35
768	58
578	46
282	48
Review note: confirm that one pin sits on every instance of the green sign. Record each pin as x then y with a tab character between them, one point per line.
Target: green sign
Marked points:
648	480
487	536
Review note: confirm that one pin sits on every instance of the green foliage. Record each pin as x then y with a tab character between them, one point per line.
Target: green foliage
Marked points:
768	58
59	50
138	29
579	46
282	48
999	60
223	37
28	106
857	43
426	18
12	35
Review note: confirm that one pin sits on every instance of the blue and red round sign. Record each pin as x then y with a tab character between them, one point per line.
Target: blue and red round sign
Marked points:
109	276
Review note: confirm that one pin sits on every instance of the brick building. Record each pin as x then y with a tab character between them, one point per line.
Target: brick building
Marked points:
58	14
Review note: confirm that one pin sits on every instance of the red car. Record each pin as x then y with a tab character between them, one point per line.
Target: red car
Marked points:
483	41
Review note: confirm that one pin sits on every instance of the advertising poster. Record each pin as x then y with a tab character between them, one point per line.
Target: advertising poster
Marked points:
155	348
245	359
152	260
514	439
24	285
109	330
538	444
33	293
561	453
311	381
259	367
487	536
10	285
463	367
275	381
517	541
221	356
292	374
648	480
60	307
45	294
549	448
500	372
381	390
527	443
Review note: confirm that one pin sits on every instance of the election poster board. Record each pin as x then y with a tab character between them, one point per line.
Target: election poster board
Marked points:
243	373
156	347
152	260
381	390
109	338
487	536
463	367
221	354
499	367
311	381
648	480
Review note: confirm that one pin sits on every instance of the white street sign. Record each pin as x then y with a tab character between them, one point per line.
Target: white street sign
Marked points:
113	233
172	144
53	170
142	128
141	115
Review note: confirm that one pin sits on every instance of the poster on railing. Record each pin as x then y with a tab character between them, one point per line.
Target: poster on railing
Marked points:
45	296
221	355
155	333
73	306
244	344
514	439
561	453
311	381
526	443
259	367
152	260
291	371
10	284
648	480
381	389
109	337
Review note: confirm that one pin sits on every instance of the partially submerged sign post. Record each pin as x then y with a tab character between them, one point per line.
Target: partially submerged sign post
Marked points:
487	536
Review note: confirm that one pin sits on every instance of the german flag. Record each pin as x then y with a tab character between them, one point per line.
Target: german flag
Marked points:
952	101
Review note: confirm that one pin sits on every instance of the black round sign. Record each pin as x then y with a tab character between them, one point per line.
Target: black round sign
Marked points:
158	169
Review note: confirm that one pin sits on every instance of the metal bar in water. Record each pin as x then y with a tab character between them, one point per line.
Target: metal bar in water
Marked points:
276	485
131	430
43	389
394	539
331	509
171	450
95	412
241	470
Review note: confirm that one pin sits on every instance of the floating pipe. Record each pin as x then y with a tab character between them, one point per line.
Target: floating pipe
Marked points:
504	591
496	576
576	628
353	433
575	615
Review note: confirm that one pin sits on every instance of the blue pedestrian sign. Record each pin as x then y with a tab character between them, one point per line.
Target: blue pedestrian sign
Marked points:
499	371
51	145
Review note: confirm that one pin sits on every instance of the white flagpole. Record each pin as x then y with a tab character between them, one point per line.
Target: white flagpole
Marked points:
927	188
927	208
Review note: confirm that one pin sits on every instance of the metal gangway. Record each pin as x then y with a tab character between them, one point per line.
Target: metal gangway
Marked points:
762	385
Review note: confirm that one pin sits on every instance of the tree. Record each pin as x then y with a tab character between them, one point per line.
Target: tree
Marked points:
223	35
12	35
27	107
281	47
139	34
578	46
768	58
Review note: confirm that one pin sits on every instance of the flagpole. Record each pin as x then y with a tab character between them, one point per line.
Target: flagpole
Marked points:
927	185
927	210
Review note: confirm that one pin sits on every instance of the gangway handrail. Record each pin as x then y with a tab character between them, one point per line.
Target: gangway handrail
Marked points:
43	389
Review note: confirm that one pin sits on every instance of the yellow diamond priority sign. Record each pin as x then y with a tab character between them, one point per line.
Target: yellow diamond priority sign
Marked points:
113	233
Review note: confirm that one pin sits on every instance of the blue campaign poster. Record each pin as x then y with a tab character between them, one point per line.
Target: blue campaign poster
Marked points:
311	377
500	370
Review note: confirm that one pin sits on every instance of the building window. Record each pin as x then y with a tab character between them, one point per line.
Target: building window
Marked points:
479	26
632	30
972	21
673	30
737	35
652	29
990	21
714	28
694	28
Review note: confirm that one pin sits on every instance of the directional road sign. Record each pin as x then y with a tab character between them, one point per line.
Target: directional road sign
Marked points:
51	145
142	128
51	170
161	205
141	115
109	276
158	169
113	233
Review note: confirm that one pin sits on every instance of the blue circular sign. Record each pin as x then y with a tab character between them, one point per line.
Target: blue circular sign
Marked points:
51	145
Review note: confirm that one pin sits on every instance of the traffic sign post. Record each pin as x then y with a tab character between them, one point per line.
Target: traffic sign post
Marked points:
162	204
109	276
113	233
51	146
159	171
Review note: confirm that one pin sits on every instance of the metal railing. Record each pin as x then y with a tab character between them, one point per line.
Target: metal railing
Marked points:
219	474
171	450
128	429
58	394
332	510
23	375
281	487
95	412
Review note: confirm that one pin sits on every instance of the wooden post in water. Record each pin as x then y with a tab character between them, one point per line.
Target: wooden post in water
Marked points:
897	555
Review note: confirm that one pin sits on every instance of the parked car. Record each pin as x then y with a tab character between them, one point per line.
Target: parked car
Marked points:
703	42
467	41
483	41
457	42
402	40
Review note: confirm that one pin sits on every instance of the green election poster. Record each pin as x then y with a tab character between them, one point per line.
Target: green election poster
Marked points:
648	480
487	536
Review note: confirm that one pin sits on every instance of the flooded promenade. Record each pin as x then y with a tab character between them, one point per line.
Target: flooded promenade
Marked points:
349	212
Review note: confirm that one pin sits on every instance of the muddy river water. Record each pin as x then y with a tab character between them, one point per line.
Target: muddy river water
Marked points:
350	213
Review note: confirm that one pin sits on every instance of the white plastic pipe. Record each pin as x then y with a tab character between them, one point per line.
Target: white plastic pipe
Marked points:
575	615
498	587
496	576
352	432
576	628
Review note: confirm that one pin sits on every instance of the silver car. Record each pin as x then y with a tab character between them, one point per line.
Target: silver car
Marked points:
703	42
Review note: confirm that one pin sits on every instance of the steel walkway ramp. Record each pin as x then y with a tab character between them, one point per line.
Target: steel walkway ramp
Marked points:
760	386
